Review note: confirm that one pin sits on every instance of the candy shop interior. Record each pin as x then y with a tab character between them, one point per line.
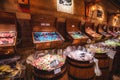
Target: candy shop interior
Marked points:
59	39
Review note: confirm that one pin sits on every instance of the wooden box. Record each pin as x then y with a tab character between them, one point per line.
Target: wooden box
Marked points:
6	29
72	27
45	25
111	32
90	32
8	33
101	29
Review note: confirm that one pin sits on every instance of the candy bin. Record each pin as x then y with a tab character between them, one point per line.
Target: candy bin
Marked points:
47	62
12	69
77	37
111	31
8	34
95	37
103	60
102	29
48	66
80	64
45	35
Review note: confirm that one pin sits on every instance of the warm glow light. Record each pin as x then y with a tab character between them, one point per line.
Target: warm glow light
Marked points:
93	8
115	20
97	12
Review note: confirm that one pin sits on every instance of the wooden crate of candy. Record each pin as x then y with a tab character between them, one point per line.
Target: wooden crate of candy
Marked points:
90	32
72	27
8	33
44	32
111	32
101	29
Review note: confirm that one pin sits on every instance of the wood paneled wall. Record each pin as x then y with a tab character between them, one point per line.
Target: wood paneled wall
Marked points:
49	7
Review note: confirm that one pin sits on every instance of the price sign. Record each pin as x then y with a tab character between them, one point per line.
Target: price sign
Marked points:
54	63
57	70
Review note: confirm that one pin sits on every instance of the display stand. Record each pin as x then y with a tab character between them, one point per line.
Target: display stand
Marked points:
8	34
111	31
88	27
72	27
9	61
45	35
101	29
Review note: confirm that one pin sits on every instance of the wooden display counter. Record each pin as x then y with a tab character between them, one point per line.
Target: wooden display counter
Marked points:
8	33
88	27
111	31
72	27
101	29
45	35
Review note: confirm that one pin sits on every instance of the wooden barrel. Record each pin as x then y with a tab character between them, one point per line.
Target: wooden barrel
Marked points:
103	64
116	62
103	60
59	73
80	70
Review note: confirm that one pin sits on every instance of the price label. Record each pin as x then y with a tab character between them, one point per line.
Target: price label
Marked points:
57	70
54	63
42	24
47	24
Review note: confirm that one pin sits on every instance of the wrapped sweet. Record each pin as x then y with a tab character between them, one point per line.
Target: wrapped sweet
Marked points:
49	62
46	36
77	35
11	72
102	49
91	32
7	37
6	41
97	50
79	54
7	34
111	42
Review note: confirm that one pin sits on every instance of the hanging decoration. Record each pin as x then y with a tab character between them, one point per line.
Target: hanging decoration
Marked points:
115	20
96	12
65	6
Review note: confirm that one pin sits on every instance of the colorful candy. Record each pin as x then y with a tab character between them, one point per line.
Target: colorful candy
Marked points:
49	62
46	36
7	38
77	34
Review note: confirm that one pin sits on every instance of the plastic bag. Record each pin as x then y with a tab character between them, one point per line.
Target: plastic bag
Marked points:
97	69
